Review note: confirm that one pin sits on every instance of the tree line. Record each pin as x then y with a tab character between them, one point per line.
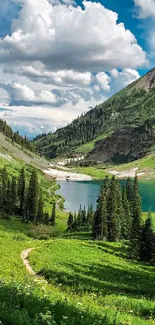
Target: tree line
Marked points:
24	142
118	216
81	221
24	198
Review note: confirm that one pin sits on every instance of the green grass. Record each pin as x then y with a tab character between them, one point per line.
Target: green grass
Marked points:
89	146
146	165
89	282
94	172
100	278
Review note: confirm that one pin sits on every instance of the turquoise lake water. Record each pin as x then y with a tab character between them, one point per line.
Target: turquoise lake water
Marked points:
86	193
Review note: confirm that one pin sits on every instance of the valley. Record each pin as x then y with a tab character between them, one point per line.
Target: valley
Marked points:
70	265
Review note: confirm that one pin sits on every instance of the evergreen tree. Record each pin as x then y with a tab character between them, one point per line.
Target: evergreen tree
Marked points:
46	218
79	218
53	217
100	217
84	216
104	216
113	222
4	180
32	198
135	242
75	222
70	221
40	215
147	241
119	211
129	194
8	198
126	226
22	191
90	216
13	195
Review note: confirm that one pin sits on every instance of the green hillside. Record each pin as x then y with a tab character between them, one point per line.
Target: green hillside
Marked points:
131	107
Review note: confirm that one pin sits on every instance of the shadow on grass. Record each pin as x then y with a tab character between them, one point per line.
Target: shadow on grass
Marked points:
103	279
77	235
120	251
20	306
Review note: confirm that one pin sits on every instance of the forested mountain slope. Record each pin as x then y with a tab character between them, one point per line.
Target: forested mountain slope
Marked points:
11	150
130	107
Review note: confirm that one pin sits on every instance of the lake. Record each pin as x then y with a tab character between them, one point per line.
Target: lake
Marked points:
86	192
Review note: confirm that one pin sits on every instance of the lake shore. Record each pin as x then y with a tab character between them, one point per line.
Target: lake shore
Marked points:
127	173
63	175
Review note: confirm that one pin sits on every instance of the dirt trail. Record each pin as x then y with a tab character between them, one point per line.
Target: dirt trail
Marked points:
58	201
24	257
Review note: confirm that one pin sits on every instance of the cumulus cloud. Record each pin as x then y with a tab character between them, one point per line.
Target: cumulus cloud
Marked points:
146	8
61	37
62	59
103	81
38	73
22	94
123	78
44	119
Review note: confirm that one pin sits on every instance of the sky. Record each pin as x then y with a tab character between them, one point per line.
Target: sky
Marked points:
59	58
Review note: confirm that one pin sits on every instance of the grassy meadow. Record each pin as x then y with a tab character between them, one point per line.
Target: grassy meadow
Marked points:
87	282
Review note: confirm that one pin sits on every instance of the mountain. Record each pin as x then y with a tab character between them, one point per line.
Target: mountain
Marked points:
122	116
15	150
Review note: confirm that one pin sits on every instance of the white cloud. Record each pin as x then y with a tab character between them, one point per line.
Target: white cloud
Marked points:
38	73
22	94
103	80
57	59
146	8
124	78
68	37
31	120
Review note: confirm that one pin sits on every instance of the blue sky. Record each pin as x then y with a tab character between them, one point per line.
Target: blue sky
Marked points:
57	60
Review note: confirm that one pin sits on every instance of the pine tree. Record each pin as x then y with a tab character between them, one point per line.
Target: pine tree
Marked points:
104	216
4	180
90	216
135	241
32	198
8	198
70	221
13	195
53	217
129	193
75	222
40	214
147	241
99	230
113	222
22	192
119	211
46	218
126	226
79	220
84	216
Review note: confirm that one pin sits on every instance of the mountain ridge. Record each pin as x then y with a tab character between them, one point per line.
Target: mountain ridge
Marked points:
132	107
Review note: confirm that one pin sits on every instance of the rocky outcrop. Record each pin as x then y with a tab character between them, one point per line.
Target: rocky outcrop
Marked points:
125	145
